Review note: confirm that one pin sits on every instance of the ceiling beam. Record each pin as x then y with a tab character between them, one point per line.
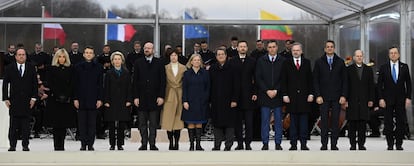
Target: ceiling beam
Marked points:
309	10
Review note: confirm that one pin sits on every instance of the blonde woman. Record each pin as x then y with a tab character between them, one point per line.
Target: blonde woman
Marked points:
118	100
173	106
60	113
196	91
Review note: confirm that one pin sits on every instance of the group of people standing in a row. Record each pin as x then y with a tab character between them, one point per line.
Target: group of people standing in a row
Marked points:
224	88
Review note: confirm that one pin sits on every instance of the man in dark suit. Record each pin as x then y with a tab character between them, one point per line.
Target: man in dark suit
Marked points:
232	50
133	56
20	79
75	55
297	91
259	51
181	57
88	95
149	90
360	98
245	67
207	56
394	92
268	79
330	83
9	57
287	52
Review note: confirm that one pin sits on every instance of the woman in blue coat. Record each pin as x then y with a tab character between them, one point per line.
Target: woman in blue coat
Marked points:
196	87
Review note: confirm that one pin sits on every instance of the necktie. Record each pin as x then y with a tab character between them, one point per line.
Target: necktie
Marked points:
297	64
273	59
394	73
21	70
330	63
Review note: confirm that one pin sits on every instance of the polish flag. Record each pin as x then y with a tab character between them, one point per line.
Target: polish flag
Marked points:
120	32
53	31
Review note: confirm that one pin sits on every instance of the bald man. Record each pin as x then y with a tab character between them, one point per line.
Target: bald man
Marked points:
361	96
149	91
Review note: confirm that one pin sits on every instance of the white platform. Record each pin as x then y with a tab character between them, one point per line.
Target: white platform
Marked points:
42	154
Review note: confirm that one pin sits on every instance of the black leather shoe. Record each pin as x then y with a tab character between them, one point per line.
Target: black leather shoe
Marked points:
353	147
26	149
215	149
324	147
399	148
278	147
12	149
83	148
239	147
390	148
143	147
120	148
227	148
265	147
112	148
153	147
334	148
90	148
304	147
248	147
362	147
293	147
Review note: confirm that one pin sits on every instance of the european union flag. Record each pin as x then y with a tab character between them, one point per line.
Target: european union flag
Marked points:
194	31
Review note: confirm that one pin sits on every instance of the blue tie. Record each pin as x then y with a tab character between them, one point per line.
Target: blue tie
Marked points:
330	63
394	73
21	70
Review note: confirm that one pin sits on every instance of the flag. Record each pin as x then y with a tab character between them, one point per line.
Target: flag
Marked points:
53	31
120	32
273	32
194	31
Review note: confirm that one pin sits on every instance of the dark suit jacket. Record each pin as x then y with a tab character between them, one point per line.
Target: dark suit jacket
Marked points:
22	89
268	77
75	58
394	93
330	84
149	83
246	71
297	84
231	53
360	92
88	84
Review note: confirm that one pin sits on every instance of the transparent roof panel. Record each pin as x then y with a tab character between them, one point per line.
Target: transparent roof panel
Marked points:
334	9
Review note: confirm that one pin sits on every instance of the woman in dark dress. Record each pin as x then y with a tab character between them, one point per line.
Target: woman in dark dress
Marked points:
224	97
196	88
60	112
117	101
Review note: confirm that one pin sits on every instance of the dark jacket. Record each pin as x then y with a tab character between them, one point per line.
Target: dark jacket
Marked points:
231	53
360	92
118	91
149	83
130	60
88	84
297	84
246	71
22	89
59	109
258	53
394	93
196	91
268	77
225	88
76	58
208	57
330	84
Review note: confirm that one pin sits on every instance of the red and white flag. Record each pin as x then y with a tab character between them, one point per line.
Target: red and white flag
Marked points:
53	31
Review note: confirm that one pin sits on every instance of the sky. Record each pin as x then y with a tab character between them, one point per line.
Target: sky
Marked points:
216	9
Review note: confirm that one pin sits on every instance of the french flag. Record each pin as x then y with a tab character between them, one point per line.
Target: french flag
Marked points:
120	32
53	31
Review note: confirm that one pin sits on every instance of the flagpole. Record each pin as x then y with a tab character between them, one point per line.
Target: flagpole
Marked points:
258	27
183	36
106	27
42	26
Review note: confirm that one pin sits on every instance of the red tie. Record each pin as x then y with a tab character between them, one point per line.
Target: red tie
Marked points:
297	64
